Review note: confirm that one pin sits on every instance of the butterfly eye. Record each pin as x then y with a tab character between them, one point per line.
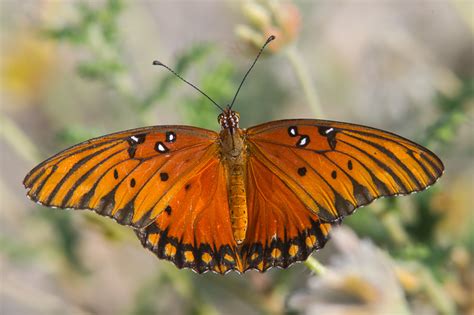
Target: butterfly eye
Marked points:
237	116
219	118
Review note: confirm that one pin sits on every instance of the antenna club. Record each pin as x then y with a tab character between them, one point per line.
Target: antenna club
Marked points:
269	39
157	63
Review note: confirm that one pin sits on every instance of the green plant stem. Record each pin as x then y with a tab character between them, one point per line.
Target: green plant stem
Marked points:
182	283
301	71
395	228
434	291
18	140
315	266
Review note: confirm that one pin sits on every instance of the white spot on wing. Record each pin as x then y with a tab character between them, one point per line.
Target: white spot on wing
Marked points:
134	139
329	131
303	141
161	147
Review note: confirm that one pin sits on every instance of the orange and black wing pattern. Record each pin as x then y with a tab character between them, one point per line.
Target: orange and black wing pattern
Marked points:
281	228
195	229
130	176
333	168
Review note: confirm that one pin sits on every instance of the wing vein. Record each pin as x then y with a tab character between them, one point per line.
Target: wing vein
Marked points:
258	151
84	177
185	174
328	199
382	166
391	155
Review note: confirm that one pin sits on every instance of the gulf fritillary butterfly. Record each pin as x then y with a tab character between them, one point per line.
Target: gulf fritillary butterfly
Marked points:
236	200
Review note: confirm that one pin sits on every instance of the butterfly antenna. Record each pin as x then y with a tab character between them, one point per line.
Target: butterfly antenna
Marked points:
272	37
159	63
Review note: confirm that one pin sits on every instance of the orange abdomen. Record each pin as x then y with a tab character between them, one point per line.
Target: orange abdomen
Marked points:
238	203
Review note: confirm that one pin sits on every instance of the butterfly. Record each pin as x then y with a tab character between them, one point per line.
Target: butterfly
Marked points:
238	199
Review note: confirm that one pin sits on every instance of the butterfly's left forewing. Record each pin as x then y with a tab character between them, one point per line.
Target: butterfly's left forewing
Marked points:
130	176
336	167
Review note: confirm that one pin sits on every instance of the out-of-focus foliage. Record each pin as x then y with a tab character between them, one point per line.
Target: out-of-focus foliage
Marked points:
76	69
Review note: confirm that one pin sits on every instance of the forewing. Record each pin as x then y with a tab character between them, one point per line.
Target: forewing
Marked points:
195	231
130	175
336	167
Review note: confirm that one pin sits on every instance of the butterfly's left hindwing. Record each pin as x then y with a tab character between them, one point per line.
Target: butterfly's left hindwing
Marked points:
130	175
335	167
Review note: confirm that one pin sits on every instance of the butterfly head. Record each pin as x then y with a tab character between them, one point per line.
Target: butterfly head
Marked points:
229	119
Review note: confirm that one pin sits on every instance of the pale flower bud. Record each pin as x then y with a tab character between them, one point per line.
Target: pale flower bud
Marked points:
267	18
256	14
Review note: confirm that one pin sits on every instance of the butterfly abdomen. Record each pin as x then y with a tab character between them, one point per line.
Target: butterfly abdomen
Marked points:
238	203
235	160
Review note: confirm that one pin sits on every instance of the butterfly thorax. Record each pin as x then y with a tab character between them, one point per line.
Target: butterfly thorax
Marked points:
234	158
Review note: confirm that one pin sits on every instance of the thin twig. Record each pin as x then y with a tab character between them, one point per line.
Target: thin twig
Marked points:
18	140
315	266
305	80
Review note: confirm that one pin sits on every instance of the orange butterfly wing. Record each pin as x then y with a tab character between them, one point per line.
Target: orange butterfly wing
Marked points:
335	167
282	230
130	176
195	230
169	182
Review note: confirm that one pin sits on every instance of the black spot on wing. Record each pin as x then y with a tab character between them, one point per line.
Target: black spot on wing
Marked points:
85	176
330	134
302	171
170	136
160	147
107	200
292	131
133	142
379	185
360	192
393	157
137	139
303	141
131	151
403	189
164	176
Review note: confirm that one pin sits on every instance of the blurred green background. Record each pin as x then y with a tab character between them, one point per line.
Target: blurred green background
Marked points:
72	70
